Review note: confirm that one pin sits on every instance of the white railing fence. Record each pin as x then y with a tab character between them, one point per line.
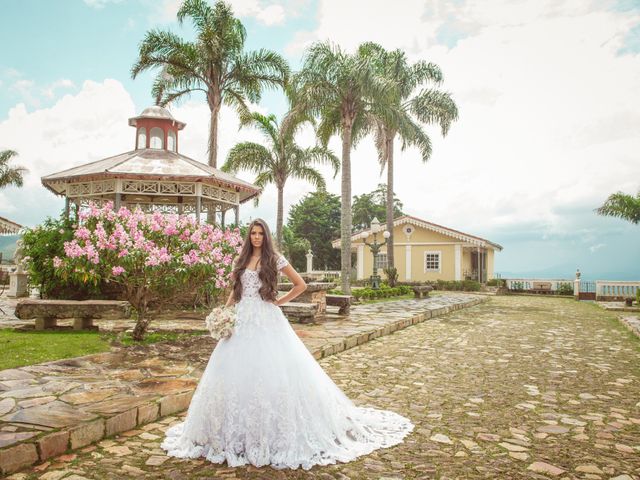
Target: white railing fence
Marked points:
528	283
613	290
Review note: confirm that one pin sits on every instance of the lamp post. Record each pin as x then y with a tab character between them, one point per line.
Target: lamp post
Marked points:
375	249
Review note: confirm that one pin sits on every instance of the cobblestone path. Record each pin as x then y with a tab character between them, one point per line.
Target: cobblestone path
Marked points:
519	387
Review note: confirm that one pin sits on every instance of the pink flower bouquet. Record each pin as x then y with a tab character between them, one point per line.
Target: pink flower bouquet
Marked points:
220	322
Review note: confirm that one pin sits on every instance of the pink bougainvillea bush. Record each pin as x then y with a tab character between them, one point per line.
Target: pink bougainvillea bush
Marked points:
155	257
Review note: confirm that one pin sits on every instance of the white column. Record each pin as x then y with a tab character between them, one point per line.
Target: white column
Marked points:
407	262
458	262
309	262
360	262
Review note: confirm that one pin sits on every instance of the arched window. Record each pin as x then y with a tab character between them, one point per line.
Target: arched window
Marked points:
142	138
171	141
157	138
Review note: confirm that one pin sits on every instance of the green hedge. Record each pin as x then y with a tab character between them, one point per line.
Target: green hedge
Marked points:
458	285
383	292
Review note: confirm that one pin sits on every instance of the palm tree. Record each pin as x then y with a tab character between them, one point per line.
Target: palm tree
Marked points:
10	175
623	206
215	64
281	160
428	106
340	89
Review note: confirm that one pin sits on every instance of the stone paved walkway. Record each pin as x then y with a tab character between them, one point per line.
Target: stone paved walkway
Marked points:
46	409
519	387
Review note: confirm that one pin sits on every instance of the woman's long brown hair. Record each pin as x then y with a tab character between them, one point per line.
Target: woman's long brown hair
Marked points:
268	272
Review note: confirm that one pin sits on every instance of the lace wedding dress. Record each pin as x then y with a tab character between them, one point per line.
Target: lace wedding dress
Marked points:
264	400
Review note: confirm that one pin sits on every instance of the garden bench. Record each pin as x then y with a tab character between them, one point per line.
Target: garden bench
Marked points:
342	301
421	291
541	287
300	312
83	312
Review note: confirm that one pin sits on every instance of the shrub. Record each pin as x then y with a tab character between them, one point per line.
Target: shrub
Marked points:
565	288
39	246
392	275
471	286
152	257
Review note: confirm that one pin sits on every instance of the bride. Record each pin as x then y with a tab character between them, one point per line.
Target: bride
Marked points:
263	399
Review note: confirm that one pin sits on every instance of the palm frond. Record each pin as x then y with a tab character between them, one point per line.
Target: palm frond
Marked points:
622	205
433	106
10	175
248	156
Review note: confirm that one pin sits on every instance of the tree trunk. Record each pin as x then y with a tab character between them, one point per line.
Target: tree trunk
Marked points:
345	216
142	323
389	147
215	102
213	134
279	216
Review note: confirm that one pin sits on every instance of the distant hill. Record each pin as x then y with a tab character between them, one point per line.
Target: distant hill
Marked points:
8	246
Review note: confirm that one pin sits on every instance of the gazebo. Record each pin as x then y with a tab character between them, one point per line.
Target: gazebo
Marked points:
7	227
153	176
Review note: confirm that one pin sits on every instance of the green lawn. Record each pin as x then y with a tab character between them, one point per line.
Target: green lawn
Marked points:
20	348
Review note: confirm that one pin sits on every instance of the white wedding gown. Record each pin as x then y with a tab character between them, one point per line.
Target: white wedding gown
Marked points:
264	400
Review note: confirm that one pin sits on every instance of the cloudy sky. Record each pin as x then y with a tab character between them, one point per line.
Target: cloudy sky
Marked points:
548	94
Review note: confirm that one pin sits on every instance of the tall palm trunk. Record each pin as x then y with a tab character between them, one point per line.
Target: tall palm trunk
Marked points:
389	147
214	99
345	206
279	216
214	106
213	138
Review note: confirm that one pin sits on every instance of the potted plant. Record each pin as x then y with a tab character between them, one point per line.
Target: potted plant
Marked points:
628	301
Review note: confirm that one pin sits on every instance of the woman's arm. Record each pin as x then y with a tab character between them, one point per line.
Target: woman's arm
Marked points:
299	285
230	299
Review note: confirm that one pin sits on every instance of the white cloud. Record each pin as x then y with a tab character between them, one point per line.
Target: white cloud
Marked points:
25	88
271	15
548	109
50	91
80	128
595	248
268	13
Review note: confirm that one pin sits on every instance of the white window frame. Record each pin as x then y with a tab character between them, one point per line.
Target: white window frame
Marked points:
386	260
171	141
154	138
424	261
141	139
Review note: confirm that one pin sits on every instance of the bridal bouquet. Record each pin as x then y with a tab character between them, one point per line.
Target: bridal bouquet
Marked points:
220	322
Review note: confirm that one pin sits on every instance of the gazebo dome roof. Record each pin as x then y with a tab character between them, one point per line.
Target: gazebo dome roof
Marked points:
152	165
156	112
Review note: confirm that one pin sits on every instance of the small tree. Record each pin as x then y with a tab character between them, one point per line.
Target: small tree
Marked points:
153	257
10	175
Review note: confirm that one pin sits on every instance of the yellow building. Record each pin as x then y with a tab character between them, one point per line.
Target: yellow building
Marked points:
426	251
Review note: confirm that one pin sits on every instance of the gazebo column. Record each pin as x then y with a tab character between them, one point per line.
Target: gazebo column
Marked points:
66	208
237	212
222	214
198	208
118	201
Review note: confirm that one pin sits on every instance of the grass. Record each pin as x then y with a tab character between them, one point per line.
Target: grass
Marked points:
20	348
